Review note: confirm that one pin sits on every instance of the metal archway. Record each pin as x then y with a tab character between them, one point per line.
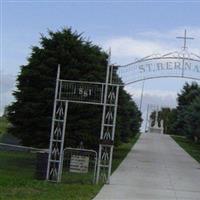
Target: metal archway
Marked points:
175	64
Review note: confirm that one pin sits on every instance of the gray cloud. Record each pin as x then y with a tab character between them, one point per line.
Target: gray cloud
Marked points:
126	49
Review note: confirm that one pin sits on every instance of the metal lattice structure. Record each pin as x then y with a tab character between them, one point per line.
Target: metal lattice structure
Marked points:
174	64
181	64
105	94
107	128
177	64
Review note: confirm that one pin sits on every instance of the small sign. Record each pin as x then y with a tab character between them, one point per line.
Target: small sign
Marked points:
82	92
79	164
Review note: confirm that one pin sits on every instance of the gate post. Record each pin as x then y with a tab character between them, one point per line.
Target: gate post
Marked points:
54	167
107	127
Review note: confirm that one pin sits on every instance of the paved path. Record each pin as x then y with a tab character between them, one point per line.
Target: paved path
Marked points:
156	168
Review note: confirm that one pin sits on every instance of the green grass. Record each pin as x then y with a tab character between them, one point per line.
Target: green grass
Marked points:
17	181
189	146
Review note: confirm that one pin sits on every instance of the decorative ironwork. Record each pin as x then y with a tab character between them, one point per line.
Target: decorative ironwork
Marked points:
81	92
174	64
105	94
54	168
185	38
182	64
107	127
82	161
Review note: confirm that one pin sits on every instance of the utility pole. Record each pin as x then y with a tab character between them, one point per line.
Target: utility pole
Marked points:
142	94
147	118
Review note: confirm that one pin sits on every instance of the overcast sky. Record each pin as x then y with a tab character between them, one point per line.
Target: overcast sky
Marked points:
132	30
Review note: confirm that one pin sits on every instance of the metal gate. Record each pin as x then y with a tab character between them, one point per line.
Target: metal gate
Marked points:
79	166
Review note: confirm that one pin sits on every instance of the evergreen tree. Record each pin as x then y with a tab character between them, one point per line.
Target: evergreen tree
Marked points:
129	117
165	115
193	119
171	123
169	117
185	99
31	113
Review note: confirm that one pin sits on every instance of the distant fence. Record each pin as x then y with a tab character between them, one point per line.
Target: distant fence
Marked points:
12	147
22	163
27	163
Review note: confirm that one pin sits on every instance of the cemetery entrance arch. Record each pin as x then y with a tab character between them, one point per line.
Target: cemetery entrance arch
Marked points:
178	64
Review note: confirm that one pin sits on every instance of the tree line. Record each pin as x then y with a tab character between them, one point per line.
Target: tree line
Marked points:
31	113
185	118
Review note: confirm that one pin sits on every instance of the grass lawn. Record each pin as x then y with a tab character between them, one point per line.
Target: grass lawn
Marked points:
17	178
189	146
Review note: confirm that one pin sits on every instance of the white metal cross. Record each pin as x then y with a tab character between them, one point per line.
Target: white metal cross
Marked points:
185	38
